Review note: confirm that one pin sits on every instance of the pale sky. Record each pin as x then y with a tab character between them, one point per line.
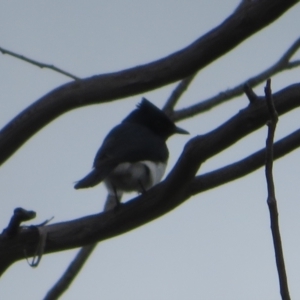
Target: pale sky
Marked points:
218	244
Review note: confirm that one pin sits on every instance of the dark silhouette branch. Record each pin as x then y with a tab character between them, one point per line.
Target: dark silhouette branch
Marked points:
177	93
85	252
272	202
39	64
161	199
281	65
20	215
245	21
243	167
71	272
200	184
64	282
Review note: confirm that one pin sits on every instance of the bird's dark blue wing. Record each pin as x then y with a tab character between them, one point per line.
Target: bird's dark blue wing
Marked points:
126	142
131	143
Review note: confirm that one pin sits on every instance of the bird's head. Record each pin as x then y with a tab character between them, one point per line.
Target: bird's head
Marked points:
150	116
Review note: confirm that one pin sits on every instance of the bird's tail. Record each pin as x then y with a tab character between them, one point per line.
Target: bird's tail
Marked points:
90	180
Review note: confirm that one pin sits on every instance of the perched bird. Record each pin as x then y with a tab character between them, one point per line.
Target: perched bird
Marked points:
133	155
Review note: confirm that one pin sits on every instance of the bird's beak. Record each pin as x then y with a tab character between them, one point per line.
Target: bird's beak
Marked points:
181	131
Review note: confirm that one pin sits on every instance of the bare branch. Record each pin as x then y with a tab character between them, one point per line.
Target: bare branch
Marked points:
248	19
243	167
39	64
72	271
252	97
159	200
177	93
272	202
289	53
70	274
281	65
20	215
200	184
293	64
67	278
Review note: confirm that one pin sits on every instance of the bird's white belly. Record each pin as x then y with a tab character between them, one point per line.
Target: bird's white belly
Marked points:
157	171
139	176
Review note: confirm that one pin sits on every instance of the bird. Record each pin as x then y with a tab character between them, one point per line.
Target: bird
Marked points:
133	155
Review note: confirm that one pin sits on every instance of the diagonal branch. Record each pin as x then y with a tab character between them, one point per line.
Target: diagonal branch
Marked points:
199	184
71	272
243	167
177	93
281	65
85	252
159	200
39	64
245	21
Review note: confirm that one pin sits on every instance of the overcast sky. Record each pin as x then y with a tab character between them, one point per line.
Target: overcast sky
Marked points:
218	244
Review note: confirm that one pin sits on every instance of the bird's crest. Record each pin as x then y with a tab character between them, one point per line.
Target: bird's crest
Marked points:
146	106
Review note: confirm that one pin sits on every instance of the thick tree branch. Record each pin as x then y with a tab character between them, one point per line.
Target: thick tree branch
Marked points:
160	199
245	21
200	184
64	282
20	215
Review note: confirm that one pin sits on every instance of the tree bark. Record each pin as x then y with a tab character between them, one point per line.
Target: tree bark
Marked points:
164	197
247	19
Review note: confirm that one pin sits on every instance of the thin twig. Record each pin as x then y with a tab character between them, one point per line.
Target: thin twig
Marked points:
71	272
73	269
177	93
39	64
281	65
272	203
